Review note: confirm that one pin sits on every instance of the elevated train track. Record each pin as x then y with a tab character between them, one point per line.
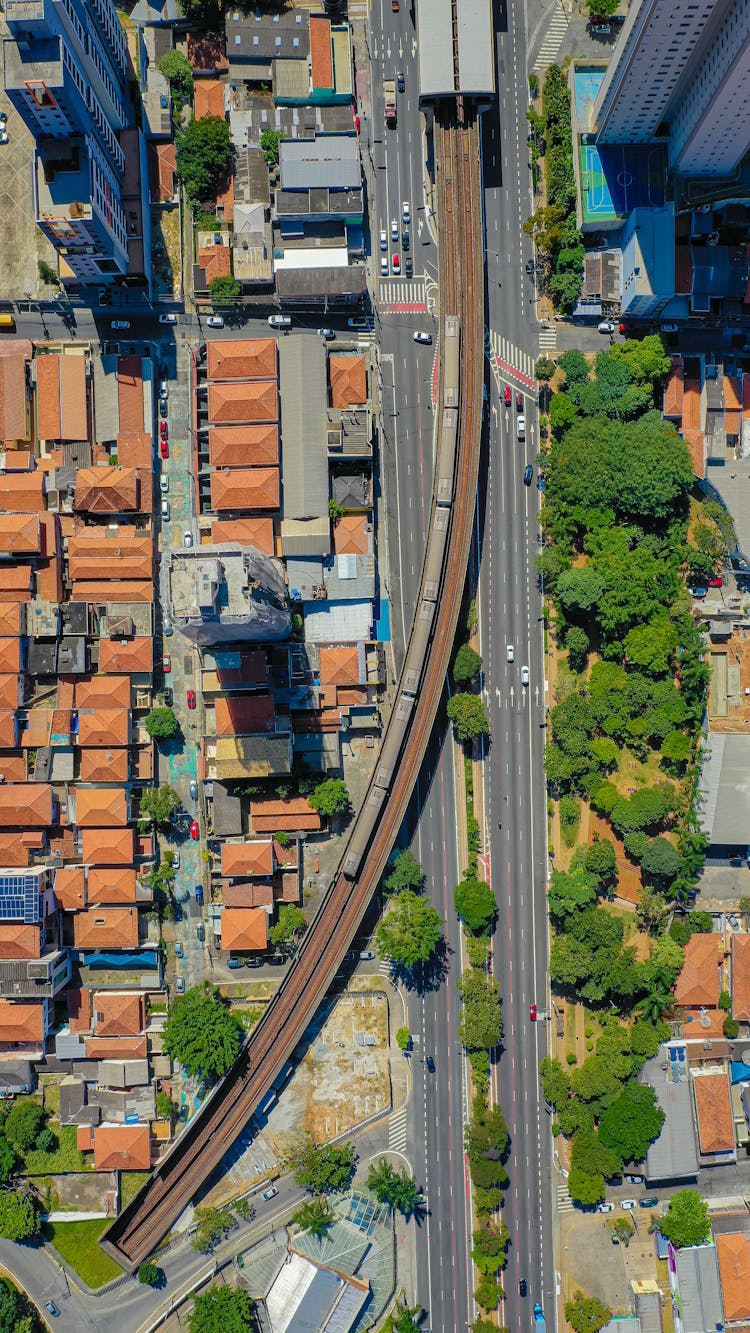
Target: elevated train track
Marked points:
200	1148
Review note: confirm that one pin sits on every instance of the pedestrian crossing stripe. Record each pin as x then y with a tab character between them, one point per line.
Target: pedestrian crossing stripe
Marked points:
548	338
508	361
553	38
411	292
564	1201
397	1130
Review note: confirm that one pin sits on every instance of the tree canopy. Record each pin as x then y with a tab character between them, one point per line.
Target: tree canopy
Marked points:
204	155
324	1168
158	804
330	797
405	872
23	1124
475	903
289	926
315	1216
632	1122
202	1033
469	717
586	1314
161	724
394	1187
410	931
19	1219
686	1221
481	1024
222	1310
225	291
467	665
178	72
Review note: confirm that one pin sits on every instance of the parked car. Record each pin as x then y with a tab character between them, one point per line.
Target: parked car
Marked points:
187	538
235	963
167	319
716	581
51	1307
699	592
176	861
200	931
195	832
606	326
180	985
327	335
669	328
627	1204
270	1193
193	789
254	962
164	447
163	430
178	950
605	1208
367	955
199	894
163	408
420	337
280	321
167	629
366	322
168	696
166	663
120	324
164	484
163	389
215	321
651	1202
165	509
191	698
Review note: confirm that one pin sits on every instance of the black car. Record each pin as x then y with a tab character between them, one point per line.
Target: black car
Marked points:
405	240
168	696
430	1064
528	474
522	1287
163	408
400	82
409	268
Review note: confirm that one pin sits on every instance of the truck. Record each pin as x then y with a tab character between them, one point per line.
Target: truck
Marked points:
389	90
539	1324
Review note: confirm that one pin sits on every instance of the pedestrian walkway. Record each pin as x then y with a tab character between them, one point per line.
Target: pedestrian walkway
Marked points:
402	298
511	362
548	339
553	39
397	1131
564	1202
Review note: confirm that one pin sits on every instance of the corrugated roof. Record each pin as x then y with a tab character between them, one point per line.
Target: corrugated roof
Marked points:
698	1282
476	46
329	161
130	396
435	48
304	457
673	1155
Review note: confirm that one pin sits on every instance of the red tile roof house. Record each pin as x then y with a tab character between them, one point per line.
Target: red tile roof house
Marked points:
122	1148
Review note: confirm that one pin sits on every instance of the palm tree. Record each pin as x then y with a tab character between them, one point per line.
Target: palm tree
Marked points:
654	1005
382	1180
406	1319
315	1216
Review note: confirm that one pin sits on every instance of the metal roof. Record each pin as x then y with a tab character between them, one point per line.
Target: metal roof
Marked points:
476	47
673	1155
304	395
435	45
329	160
338	622
698	1281
725	789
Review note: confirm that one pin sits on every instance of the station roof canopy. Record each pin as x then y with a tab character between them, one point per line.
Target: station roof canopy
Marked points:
476	48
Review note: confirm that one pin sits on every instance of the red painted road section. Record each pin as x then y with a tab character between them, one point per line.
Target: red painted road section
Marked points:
507	369
404	308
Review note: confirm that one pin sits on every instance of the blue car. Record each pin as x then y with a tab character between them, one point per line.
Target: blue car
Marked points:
199	894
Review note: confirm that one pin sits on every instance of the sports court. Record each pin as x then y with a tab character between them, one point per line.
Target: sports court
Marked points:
616	178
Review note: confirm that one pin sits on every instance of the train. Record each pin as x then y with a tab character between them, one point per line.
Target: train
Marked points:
421	633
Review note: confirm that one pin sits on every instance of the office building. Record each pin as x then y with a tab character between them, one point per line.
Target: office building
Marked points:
681	71
65	69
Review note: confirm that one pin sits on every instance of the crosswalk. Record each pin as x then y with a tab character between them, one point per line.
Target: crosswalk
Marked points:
385	968
402	298
397	1131
548	339
553	39
564	1202
509	361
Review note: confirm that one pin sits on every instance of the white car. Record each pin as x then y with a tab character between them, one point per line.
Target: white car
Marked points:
280	321
270	1193
167	319
164	390
165	509
164	484
187	538
524	675
3	135
627	1204
606	326
384	266
406	211
384	239
509	652
605	1208
215	322
521	427
425	338
394	230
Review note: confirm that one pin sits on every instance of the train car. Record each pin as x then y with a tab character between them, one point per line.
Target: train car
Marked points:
366	821
394	739
451	340
447	457
433	566
418	644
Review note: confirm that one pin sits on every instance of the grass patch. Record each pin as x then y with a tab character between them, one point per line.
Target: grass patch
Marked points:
632	772
570	1028
65	1158
49	1086
130	1183
78	1243
248	1017
469	783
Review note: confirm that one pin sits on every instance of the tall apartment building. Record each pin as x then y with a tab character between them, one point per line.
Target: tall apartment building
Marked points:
681	70
65	69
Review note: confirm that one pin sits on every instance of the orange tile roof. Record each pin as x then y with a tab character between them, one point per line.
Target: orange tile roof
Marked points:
352	535
111	591
108	846
691	405
133	656
70	888
20	534
732	404
245	859
15	582
102	692
19	941
118	1014
116	1048
122	1148
244	928
242	359
104	766
130	395
26	805
715	1122
698	982
208	51
238	715
13	768
10	655
216	262
135	450
208	98
79	1010
21	1021
162	168
741	978
13	850
8	729
106	928
285	856
243	446
49	580
101	807
62	406
106	490
245	488
257	532
321	56
733	1253
103	727
95	543
225	201
251	400
10	617
22	492
13	421
340	666
114	885
120	567
273	816
348	377
38	730
84	1138
18	460
712	1026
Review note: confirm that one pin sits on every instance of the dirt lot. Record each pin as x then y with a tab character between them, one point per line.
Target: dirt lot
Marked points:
592	1264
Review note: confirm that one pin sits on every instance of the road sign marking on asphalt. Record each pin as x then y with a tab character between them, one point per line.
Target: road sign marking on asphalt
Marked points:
508	361
553	38
397	1131
564	1202
548	339
402	297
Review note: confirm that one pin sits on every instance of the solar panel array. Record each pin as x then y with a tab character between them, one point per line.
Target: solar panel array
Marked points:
19	898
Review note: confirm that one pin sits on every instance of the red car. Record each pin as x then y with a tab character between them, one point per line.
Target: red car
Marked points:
622	328
164	448
532	1012
507	396
356	122
519	401
195	832
394	6
166	662
716	581
191	698
163	430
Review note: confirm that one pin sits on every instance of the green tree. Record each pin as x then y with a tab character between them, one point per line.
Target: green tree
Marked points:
225	292
730	1027
562	413
467	665
161	724
289	925
403	1039
578	645
469	717
204	155
584	1188
178	72
324	1168
488	1295
269	144
158	804
46	1141
652	646
593	1156
406	872
202	1033
632	1122
394	1187
481	1024
221	1309
686	1221
7	1160
163	1105
148	1273
315	1216
570	891
475	903
335	510
212	1225
330	797
47	274
574	366
404	1319
544	369
23	1123
601	860
411	930
660	861
580	590
586	1314
19	1219
490	1247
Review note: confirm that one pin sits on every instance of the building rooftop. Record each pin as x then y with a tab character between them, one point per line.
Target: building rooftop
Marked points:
105	765
714	1111
118	1014
673	1155
243	446
61	397
133	655
26	805
242	359
303	409
243	860
733	1253
329	162
21	1021
242	401
238	489
101	807
698	982
103	692
106	928
250	756
240	713
255	37
111	886
348	378
122	1148
106	490
104	727
244	928
741	977
108	846
698	1280
246	531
